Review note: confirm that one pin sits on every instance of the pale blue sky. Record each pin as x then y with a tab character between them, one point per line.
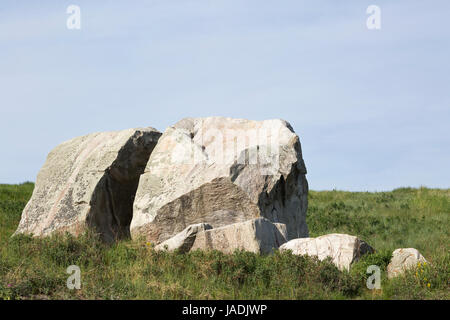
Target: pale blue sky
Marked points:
372	108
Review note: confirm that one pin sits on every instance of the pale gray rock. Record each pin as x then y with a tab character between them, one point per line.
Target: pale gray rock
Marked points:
184	240
257	235
89	180
404	259
222	171
343	249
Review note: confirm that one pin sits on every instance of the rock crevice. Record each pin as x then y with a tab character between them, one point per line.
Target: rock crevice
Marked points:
111	205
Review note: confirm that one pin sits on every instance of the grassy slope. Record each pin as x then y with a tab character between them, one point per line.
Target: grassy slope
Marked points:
35	268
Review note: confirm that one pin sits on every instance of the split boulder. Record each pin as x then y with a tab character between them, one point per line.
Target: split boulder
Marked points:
89	181
222	171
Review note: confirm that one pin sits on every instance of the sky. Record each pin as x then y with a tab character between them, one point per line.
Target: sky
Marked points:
371	107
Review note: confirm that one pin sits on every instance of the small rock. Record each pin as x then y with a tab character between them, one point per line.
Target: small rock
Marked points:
343	249
184	240
402	260
257	235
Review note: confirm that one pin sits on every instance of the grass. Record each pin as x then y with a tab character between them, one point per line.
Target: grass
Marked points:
32	268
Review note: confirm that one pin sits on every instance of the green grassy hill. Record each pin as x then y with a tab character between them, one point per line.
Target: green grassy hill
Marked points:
420	218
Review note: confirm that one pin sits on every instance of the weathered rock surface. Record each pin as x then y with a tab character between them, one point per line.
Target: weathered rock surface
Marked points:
222	171
89	180
343	249
402	260
256	235
184	240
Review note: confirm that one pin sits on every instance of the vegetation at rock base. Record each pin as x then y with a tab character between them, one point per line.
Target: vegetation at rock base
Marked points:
32	268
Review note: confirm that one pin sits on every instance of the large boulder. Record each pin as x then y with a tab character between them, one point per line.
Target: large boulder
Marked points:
184	240
404	259
343	249
222	171
89	180
257	235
